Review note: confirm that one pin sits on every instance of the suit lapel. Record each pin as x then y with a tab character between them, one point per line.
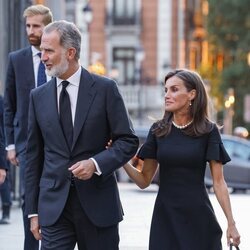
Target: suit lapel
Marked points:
52	111
86	94
27	61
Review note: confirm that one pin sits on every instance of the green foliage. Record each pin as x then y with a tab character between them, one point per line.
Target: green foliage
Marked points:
237	76
212	79
228	26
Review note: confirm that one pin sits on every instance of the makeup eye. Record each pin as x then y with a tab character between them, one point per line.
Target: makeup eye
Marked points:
174	89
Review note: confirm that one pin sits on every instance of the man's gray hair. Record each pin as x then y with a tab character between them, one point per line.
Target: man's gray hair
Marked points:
69	34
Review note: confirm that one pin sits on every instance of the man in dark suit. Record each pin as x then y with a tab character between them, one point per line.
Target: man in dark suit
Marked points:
5	192
23	74
73	194
3	164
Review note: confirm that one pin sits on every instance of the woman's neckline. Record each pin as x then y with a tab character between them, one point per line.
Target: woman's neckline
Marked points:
182	126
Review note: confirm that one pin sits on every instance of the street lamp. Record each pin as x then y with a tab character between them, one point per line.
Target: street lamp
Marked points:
139	53
139	56
87	17
87	14
114	73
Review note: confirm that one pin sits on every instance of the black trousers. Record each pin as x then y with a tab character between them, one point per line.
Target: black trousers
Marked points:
30	243
73	227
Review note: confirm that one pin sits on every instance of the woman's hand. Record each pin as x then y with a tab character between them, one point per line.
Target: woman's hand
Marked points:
109	144
233	235
221	192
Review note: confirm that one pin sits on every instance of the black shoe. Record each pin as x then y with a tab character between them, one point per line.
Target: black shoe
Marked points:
6	215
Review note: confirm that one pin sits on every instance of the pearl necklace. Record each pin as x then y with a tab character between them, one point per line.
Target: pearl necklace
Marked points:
182	126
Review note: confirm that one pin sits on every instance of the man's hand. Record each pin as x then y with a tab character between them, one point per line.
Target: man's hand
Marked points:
35	228
11	156
2	176
83	169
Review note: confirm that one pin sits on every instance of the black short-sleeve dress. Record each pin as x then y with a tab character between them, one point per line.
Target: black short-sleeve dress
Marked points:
183	217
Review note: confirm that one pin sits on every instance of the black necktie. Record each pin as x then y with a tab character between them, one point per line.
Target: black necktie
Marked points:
65	113
41	76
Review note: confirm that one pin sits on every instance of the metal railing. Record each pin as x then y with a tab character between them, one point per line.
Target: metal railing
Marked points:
141	96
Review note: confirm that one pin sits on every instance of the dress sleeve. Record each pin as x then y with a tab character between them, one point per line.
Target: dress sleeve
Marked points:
149	149
215	149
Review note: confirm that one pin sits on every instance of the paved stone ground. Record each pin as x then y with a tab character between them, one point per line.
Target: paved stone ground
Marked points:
134	230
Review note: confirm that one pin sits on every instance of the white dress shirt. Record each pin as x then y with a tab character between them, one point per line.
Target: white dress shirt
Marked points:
36	62
72	89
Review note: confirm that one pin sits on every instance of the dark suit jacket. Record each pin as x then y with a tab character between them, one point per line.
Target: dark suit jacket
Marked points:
3	164
19	82
100	115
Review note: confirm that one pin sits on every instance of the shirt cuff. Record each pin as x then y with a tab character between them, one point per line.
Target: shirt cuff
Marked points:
98	170
10	147
32	215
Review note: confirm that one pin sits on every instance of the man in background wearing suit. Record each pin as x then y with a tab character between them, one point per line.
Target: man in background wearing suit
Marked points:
73	194
5	191
24	72
3	164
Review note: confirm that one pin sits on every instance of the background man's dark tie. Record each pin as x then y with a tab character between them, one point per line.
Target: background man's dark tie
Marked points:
41	76
65	114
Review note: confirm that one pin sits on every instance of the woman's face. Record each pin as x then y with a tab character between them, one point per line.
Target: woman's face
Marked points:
177	97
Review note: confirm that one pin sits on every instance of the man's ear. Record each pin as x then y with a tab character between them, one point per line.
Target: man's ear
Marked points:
71	53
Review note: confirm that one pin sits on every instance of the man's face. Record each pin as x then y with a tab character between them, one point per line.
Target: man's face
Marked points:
54	56
34	29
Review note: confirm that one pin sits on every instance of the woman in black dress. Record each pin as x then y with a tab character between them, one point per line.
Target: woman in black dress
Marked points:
181	144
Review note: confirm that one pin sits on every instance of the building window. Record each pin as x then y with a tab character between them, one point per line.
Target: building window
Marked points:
124	62
124	12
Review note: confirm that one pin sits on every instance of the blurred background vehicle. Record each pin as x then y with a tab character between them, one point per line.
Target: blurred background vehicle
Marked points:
237	171
241	132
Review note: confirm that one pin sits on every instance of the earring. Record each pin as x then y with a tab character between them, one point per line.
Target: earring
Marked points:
190	104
